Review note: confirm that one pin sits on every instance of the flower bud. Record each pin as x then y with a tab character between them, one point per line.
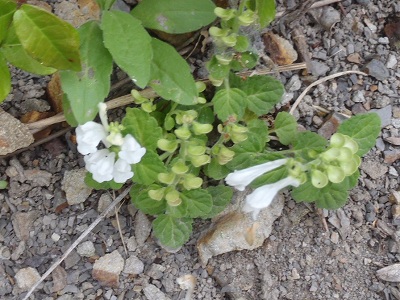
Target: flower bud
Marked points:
217	32
337	140
138	99
224	59
194	150
180	168
167	145
169	122
199	128
183	132
350	144
191	182
224	14
331	154
238	137
345	154
247	18
318	179
173	198
230	40
166	178
200	86
335	174
238	128
200	160
201	100
189	116
215	81
225	155
148	107
349	167
157	194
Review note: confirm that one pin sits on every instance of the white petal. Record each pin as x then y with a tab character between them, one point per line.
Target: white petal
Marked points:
242	178
88	136
101	165
122	171
131	151
103	114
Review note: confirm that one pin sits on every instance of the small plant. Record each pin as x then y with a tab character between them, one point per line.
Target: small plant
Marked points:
178	148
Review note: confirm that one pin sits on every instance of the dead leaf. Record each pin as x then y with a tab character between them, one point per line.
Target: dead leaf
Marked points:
280	50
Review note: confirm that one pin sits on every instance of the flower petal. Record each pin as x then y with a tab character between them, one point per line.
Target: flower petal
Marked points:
88	136
101	165
122	171
131	151
240	179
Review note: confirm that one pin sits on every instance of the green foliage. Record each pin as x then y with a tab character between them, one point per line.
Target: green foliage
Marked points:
87	88
286	128
256	138
364	129
105	4
229	102
179	16
5	82
3	184
147	170
221	196
199	202
7	9
172	232
141	199
129	45
309	140
266	11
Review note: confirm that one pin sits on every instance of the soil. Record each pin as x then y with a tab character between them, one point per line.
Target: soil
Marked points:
300	260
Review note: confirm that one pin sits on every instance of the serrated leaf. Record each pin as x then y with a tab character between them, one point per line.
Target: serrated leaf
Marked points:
129	44
172	232
309	140
16	55
256	138
7	10
286	128
215	170
141	200
170	75
229	102
199	202
147	170
143	127
221	196
87	88
106	185
266	10
5	78
364	129
178	211
178	16
263	93
48	39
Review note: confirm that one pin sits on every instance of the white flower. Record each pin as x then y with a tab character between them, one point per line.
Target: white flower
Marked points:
262	197
122	171
242	178
88	136
101	165
131	151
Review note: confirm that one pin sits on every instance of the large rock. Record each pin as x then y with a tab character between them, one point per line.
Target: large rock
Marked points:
107	269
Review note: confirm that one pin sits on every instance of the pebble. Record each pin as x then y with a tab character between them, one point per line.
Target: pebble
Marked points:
133	265
156	271
385	114
334	237
152	292
329	17
72	259
38	177
374	169
22	223
390	273
142	228
55	237
319	68
377	69
108	268
104	201
76	190
358	96
131	244
59	276
294	84
26	278
86	249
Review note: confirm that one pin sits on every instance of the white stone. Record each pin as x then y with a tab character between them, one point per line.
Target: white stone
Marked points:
26	278
55	237
133	265
391	62
86	249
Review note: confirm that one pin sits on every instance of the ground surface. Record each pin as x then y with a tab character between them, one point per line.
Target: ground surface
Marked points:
300	260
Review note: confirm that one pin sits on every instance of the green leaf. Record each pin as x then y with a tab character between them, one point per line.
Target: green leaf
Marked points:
309	140
364	129
86	89
172	232
143	127
101	186
270	177
266	11
247	159
16	54
286	128
7	9
229	102
105	4
263	93
5	78
129	44
256	138
221	196
147	170
141	200
3	184
199	202
170	75
178	211
67	110
48	39
176	16
215	170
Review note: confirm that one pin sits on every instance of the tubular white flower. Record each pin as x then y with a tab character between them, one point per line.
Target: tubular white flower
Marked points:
131	151
88	136
122	171
263	196
101	165
242	178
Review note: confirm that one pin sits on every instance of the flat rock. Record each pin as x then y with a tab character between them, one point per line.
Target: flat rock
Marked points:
74	186
38	177
22	223
59	279
152	292
26	278
385	114
374	169
104	201
331	124
133	265
377	69
235	230
391	156
142	228
86	249
13	134
107	269
390	273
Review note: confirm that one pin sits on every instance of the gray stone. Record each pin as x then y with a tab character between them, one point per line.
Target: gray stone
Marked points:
59	279
107	269
26	278
358	96
142	228
156	271
104	201
133	265
329	17
377	69
13	134
22	223
38	177
86	249
318	68
374	169
294	84
391	62
76	191
131	244
385	114
71	260
151	292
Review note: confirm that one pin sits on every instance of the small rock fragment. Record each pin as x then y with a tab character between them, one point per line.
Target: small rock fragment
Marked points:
133	265
107	269
131	244
156	271
354	58
377	69
59	279
374	169
142	228
281	51
394	140
329	17
391	156
38	177
26	278
104	201
86	249
319	68
152	292
76	190
22	223
334	237
391	62
389	273
331	124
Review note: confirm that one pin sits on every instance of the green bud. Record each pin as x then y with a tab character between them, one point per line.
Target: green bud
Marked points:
242	43
335	174
337	140
138	99
148	107
215	81
318	179
166	178
189	116
173	198
230	40
183	132
238	128
199	128
247	18
180	168
349	167
200	86
225	155
217	32
350	144
167	145
357	160
345	154
312	153
224	14
169	122
191	182
201	100
238	137
200	160
224	59
157	195
194	150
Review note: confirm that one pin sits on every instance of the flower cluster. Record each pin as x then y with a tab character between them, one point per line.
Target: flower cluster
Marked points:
113	162
261	197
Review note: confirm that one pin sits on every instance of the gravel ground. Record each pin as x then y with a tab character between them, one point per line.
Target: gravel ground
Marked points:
46	206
